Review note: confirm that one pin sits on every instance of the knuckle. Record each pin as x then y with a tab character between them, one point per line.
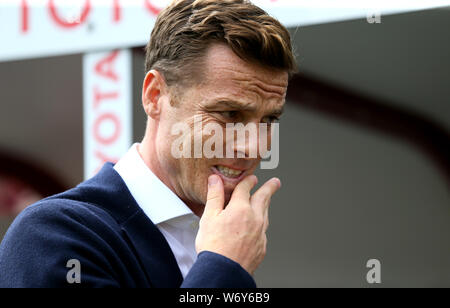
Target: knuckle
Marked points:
252	221
264	246
213	198
262	198
242	211
260	220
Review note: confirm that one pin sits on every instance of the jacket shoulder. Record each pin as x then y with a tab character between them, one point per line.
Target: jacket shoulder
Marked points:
59	208
41	241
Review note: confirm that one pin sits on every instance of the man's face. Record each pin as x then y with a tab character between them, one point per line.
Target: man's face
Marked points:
232	91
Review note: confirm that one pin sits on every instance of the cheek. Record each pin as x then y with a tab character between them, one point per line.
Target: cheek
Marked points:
194	177
194	170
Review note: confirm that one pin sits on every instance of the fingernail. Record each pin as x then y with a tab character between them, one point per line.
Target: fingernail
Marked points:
213	180
255	179
279	182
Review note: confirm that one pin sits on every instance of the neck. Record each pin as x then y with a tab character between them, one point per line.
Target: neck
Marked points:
196	208
148	153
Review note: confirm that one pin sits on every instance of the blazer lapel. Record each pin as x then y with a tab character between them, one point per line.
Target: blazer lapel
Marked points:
153	251
108	191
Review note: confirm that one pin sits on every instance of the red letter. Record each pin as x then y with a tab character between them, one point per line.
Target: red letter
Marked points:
99	97
151	7
107	140
64	23
24	6
116	11
108	62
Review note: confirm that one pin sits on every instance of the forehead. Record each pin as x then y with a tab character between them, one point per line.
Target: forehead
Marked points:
224	73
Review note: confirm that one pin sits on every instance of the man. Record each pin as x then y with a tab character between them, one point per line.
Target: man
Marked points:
137	223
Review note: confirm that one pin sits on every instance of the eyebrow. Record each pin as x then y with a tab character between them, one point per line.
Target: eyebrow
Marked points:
233	105
230	104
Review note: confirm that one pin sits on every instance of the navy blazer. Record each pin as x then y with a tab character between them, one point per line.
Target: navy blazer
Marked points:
100	224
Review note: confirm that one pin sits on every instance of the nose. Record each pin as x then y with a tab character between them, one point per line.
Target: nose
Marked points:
247	140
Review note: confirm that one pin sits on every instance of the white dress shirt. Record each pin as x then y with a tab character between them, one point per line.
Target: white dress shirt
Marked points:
170	214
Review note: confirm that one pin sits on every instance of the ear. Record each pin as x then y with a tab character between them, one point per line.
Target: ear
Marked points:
153	88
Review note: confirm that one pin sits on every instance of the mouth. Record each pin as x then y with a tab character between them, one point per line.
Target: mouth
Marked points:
228	174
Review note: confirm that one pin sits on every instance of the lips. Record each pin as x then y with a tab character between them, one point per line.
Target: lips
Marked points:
228	174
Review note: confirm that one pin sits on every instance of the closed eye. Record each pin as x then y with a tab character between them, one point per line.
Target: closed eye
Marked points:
271	119
229	114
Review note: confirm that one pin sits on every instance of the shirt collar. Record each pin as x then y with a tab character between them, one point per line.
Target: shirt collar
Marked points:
157	201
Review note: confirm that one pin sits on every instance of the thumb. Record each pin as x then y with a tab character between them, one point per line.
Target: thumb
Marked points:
216	197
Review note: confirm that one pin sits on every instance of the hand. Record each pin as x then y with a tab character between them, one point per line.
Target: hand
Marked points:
237	232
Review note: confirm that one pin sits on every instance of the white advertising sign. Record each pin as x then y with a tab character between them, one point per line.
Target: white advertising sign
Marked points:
107	87
45	28
38	28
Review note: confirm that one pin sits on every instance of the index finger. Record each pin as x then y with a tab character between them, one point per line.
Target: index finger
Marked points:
261	198
242	190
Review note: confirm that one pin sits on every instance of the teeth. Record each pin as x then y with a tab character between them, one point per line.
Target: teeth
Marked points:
231	173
